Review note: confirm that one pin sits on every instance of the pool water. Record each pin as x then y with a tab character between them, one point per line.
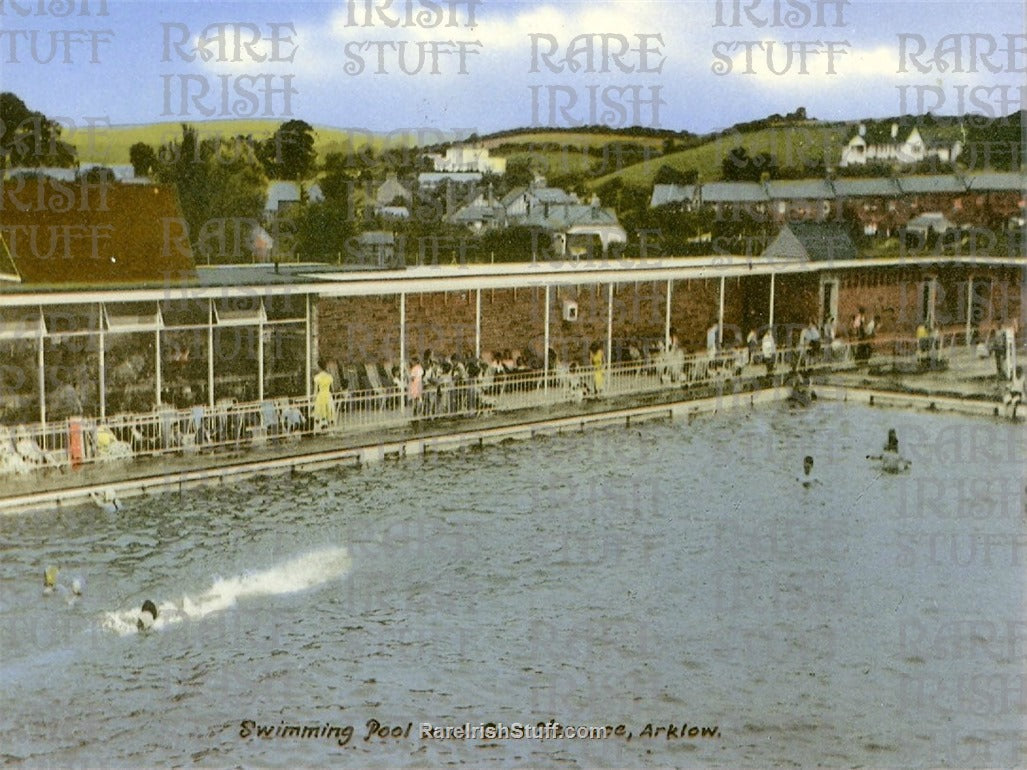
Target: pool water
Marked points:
674	573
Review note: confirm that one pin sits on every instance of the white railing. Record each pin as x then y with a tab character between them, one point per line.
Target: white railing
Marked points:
233	426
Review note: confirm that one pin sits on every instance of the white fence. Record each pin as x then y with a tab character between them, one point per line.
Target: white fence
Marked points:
233	426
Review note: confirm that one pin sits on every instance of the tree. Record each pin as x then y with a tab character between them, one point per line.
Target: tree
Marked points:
670	175
221	189
143	159
738	165
519	171
29	139
289	152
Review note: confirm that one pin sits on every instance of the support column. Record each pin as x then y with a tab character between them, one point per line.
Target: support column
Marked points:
545	355
932	296
720	316
969	305
42	377
102	354
403	336
158	379
609	323
666	319
308	388
260	352
477	323
210	353
771	323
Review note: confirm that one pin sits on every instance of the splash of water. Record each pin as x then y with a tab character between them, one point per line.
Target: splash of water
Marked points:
297	574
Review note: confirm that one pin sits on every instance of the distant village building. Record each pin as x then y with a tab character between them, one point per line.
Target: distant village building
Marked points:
376	248
894	144
99	234
283	195
880	205
576	228
812	242
464	157
392	190
429	180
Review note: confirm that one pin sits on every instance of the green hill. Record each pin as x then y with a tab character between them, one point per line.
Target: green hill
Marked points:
111	145
794	145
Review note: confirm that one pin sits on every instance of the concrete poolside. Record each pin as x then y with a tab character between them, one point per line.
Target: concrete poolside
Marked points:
968	385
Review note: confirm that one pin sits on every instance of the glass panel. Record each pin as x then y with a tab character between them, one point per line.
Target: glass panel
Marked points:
131	378
238	310
19	323
19	381
235	363
70	319
72	365
184	367
291	307
284	369
190	312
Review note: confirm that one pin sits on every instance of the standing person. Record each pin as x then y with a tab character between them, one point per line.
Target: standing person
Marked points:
998	348
1014	393
415	386
712	340
769	349
324	410
753	344
596	359
813	337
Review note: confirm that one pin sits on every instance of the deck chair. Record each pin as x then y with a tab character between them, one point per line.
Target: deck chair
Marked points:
196	431
291	418
31	453
170	437
376	384
268	427
10	460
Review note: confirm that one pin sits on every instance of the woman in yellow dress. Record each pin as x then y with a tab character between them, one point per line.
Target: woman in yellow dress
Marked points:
596	359
324	410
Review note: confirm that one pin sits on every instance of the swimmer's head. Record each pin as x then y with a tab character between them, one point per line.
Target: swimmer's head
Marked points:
147	616
807	463
76	587
50	577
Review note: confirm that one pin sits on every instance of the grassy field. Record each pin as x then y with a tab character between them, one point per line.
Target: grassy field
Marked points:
792	145
570	139
111	145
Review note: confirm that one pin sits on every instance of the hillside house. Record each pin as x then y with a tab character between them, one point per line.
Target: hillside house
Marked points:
462	157
392	192
876	142
93	233
283	195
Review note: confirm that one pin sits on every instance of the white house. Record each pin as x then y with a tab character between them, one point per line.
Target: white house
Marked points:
462	157
893	144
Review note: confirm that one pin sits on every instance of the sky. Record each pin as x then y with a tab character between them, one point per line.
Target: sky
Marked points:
486	65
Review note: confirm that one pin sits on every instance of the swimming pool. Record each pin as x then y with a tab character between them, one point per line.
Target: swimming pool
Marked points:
668	574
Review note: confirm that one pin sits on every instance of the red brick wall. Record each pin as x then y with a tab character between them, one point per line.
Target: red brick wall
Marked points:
891	293
360	329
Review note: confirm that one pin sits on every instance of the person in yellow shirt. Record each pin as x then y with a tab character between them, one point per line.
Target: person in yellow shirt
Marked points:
324	409
596	359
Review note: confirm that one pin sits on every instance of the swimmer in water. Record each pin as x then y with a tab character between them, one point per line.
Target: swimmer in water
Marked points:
108	502
892	445
147	616
49	580
808	479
